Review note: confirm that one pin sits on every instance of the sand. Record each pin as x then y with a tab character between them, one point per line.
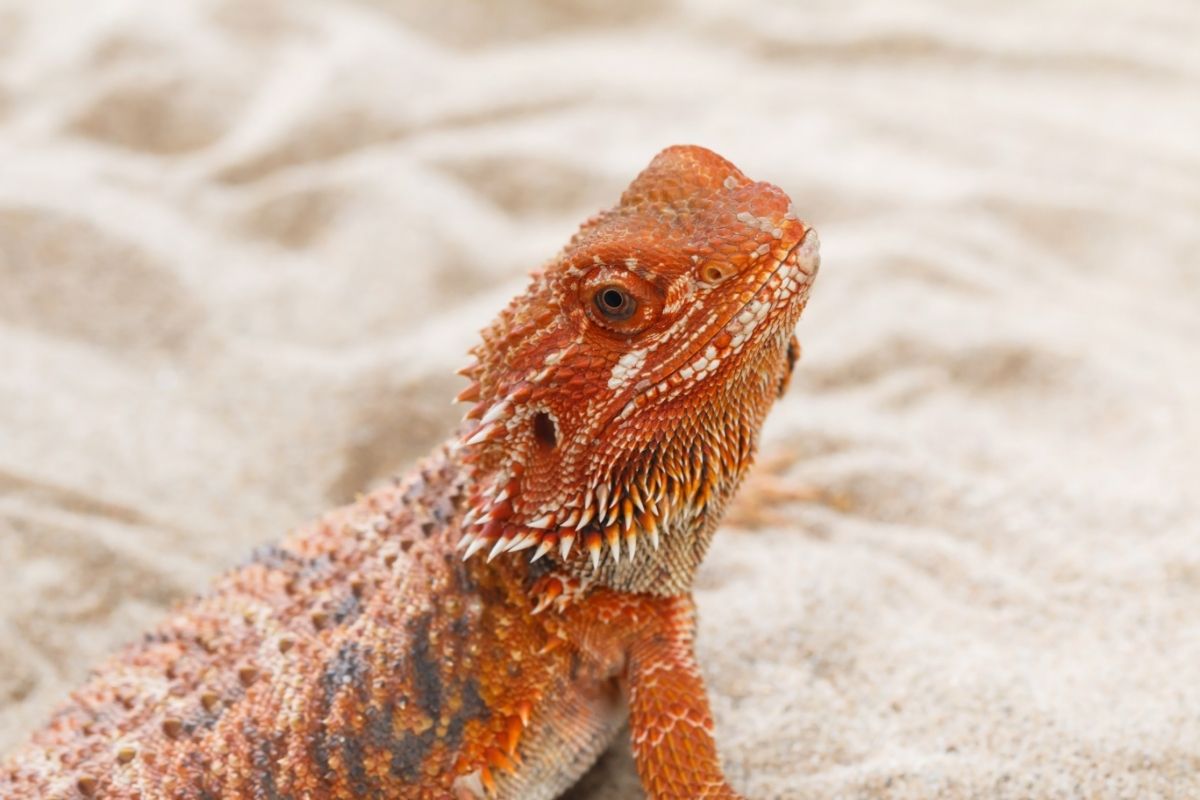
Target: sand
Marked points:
244	245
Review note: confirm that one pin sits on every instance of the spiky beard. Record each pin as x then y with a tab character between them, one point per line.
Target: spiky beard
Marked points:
644	515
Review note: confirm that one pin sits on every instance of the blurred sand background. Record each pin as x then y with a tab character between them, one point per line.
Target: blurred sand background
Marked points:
244	245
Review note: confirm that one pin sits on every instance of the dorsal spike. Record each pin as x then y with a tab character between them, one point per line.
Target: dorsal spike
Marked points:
484	433
469	394
497	412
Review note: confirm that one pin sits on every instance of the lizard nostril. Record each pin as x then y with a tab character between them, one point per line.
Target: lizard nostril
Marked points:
545	430
714	273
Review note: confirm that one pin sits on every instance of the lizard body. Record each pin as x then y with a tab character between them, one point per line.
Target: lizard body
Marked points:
483	627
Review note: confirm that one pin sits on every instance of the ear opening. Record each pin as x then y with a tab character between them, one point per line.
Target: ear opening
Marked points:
545	431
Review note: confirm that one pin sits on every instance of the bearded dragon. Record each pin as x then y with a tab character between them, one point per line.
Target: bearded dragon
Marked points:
484	626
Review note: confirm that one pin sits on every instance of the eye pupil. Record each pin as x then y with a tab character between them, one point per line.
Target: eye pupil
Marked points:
615	303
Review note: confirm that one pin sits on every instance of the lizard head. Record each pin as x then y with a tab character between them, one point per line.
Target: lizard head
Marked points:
619	400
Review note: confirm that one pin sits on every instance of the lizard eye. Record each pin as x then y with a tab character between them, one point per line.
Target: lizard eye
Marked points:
615	303
618	301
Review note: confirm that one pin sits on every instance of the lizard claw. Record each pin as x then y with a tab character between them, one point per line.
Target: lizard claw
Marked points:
497	758
512	736
547	592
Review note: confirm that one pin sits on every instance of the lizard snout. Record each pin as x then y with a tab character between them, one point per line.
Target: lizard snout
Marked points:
807	254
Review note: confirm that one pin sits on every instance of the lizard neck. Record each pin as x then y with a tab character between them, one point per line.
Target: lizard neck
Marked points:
668	569
645	529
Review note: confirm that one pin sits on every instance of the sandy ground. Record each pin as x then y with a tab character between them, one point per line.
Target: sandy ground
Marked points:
243	246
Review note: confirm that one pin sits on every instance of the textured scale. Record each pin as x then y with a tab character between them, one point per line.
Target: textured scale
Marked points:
483	627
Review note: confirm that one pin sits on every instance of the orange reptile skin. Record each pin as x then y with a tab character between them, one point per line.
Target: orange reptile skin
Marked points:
483	627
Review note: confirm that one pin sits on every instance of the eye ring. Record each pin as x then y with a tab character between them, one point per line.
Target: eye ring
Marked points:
614	303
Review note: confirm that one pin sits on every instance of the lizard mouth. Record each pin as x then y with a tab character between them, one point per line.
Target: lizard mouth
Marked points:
803	258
